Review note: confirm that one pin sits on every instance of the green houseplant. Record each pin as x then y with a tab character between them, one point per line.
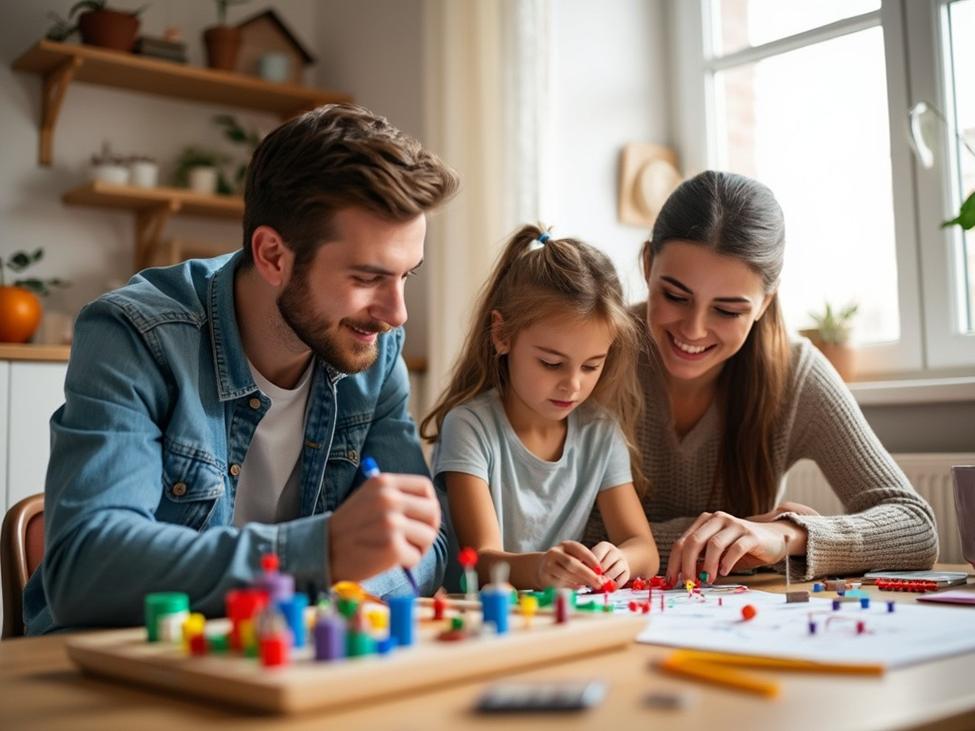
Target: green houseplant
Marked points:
199	170
99	25
831	335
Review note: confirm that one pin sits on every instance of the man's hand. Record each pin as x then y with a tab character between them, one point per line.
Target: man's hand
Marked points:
391	520
568	564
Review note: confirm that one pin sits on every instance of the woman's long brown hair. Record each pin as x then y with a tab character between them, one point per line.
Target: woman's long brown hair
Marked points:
562	278
737	216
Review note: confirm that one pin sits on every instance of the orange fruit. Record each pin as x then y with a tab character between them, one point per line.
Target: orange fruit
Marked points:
20	314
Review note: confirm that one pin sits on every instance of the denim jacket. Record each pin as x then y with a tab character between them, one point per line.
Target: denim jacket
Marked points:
160	408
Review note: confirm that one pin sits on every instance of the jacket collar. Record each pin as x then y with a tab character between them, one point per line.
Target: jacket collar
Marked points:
234	377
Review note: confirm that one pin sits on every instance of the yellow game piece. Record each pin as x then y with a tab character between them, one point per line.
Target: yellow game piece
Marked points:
689	585
349	590
378	619
248	637
529	605
192	625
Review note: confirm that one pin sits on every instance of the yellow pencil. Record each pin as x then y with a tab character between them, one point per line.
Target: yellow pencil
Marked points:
720	675
775	663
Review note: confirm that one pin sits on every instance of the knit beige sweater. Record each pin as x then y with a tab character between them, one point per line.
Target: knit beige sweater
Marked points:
887	525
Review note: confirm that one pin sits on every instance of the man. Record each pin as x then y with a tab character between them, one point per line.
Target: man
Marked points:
218	410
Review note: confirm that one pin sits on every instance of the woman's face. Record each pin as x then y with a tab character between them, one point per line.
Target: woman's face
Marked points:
701	307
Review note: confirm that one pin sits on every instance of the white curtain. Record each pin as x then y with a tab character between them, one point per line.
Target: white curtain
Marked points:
485	109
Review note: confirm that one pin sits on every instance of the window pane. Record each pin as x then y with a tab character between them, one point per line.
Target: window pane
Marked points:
961	15
812	124
739	24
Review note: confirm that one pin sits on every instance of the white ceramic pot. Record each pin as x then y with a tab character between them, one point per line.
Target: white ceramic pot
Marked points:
144	174
113	173
203	180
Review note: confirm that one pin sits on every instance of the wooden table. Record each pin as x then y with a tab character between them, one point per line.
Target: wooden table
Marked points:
40	688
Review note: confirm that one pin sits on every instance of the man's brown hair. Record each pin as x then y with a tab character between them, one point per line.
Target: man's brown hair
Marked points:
333	157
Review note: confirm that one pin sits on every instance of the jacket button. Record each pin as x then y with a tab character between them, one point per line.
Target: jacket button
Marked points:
352	455
235	469
179	489
255	403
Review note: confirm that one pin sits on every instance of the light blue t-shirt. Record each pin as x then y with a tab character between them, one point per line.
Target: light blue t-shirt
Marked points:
538	503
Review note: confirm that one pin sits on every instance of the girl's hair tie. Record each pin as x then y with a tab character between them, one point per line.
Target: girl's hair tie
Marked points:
538	243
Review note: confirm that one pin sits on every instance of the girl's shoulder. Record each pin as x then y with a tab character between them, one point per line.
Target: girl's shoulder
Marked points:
480	412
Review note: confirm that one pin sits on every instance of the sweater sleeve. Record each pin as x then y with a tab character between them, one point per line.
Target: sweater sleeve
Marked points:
887	525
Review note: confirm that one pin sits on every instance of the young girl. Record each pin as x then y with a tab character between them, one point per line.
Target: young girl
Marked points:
521	454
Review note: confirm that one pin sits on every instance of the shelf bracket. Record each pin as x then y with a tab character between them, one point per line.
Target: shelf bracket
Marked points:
149	225
56	83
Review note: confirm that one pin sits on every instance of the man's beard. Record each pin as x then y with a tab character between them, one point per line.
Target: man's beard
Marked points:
295	306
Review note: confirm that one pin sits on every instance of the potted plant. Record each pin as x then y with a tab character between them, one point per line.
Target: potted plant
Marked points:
99	26
236	133
199	170
832	335
222	41
20	308
108	167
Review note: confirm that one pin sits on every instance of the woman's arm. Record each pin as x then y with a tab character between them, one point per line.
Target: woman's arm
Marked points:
631	550
887	525
476	525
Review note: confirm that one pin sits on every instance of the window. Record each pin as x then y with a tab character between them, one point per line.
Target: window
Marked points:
812	98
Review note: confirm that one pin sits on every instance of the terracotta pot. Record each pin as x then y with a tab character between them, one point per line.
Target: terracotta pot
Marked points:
109	29
842	356
223	44
20	314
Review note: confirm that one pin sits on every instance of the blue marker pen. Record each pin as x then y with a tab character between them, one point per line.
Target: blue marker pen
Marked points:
370	469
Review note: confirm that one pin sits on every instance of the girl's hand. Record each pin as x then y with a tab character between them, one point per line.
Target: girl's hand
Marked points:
785	507
568	564
613	562
726	542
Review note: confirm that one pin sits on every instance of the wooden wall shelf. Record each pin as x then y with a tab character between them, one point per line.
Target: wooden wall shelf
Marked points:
27	351
153	208
61	63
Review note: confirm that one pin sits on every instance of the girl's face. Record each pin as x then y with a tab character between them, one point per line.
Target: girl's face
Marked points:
701	307
553	365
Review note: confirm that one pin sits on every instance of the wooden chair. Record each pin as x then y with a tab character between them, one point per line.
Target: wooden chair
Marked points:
21	552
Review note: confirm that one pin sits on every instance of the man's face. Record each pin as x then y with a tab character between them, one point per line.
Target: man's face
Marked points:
352	289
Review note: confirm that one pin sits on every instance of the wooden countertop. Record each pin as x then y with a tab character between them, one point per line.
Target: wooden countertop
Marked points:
11	351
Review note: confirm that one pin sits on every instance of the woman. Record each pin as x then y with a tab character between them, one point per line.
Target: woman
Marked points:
731	405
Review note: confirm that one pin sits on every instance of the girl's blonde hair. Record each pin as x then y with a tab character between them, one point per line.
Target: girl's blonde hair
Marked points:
532	282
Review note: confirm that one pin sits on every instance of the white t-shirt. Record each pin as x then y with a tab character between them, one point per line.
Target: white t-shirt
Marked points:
270	478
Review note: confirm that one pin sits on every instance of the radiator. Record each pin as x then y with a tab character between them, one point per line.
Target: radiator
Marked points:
929	473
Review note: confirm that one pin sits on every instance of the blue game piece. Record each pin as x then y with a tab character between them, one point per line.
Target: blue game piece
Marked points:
817	587
401	619
864	602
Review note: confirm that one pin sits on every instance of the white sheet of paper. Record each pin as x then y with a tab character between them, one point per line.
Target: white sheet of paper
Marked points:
910	634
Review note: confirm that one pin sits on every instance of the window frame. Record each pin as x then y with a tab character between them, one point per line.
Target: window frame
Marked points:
927	304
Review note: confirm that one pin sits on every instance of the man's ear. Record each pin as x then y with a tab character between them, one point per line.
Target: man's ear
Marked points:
273	259
501	344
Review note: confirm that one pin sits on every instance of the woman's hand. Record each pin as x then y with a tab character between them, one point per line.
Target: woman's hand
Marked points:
568	564
727	542
613	562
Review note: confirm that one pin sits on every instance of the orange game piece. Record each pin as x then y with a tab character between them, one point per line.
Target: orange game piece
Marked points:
748	612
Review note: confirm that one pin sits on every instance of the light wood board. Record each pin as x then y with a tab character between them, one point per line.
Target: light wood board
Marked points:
305	684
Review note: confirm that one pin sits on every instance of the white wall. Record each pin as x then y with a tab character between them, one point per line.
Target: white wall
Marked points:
92	247
609	88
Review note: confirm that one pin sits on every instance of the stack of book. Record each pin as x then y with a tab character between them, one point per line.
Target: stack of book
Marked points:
161	48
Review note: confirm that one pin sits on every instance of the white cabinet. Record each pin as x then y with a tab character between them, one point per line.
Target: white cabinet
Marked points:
29	393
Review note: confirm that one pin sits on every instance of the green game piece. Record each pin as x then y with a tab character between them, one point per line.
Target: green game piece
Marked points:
348	607
218	644
607	608
159	605
457	623
358	644
703	576
252	650
547	598
588	607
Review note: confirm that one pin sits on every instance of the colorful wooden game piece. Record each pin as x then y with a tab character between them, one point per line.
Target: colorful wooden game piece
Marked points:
817	587
193	625
173	607
278	586
748	612
439	605
467	558
293	609
402	619
329	633
864	602
198	645
529	606
275	639
562	604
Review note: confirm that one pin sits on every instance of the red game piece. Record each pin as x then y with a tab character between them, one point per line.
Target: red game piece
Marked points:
439	605
748	612
274	650
608	586
198	644
269	562
467	557
633	606
561	608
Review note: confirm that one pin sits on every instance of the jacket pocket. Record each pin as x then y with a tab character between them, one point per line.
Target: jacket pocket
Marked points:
343	459
192	486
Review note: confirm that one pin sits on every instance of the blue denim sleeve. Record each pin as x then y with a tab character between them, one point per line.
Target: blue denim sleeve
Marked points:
394	443
104	549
